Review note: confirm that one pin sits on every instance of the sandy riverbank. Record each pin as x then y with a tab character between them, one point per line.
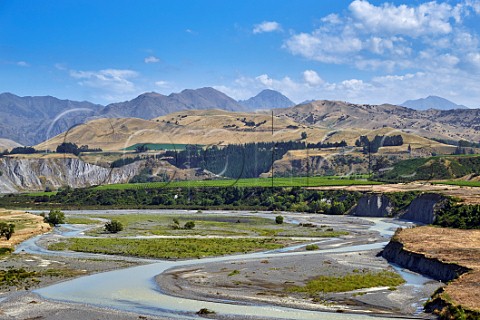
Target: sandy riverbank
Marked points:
29	306
266	281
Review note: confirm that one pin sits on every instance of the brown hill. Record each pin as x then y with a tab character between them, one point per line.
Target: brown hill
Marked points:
187	127
7	144
446	124
214	127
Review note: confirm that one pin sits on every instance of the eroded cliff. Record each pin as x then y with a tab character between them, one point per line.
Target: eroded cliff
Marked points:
36	174
373	205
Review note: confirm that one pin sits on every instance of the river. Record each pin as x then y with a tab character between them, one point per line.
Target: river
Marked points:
134	289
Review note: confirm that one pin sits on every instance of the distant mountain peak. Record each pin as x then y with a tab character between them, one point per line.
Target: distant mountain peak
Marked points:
151	105
151	94
267	99
432	102
28	120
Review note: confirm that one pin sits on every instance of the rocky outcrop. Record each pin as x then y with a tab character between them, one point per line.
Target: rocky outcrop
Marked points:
373	205
36	174
395	252
298	164
423	209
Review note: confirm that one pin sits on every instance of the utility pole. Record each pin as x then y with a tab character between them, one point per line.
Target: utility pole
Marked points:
369	159
273	150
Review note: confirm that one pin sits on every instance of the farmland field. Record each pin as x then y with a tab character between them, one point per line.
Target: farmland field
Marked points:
252	182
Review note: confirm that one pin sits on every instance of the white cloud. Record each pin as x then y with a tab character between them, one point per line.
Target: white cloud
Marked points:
320	46
23	64
474	60
353	84
162	84
108	84
267	26
392	38
429	18
392	78
474	4
265	80
60	66
151	59
312	78
332	19
190	31
459	87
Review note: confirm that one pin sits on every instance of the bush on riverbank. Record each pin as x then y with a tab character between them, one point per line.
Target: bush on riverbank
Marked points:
461	216
349	282
113	226
54	217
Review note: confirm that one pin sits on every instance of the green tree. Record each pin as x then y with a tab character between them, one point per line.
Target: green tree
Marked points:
54	217
189	225
304	135
7	230
141	148
337	208
279	220
68	147
113	226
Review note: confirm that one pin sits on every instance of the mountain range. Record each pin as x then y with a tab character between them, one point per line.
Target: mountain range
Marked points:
151	105
432	102
28	120
31	120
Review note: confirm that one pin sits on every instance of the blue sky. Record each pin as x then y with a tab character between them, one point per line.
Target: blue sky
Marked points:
359	51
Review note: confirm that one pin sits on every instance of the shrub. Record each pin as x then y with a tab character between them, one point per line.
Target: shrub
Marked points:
205	311
189	225
54	217
7	230
279	220
176	224
113	226
312	247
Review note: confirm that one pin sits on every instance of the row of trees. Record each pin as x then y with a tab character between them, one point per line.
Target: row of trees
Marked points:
65	147
69	147
277	199
239	161
378	142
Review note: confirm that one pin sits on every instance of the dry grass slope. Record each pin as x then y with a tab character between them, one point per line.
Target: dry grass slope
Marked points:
216	127
452	246
27	225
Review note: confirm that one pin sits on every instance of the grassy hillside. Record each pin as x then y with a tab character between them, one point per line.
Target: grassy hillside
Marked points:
433	168
216	127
